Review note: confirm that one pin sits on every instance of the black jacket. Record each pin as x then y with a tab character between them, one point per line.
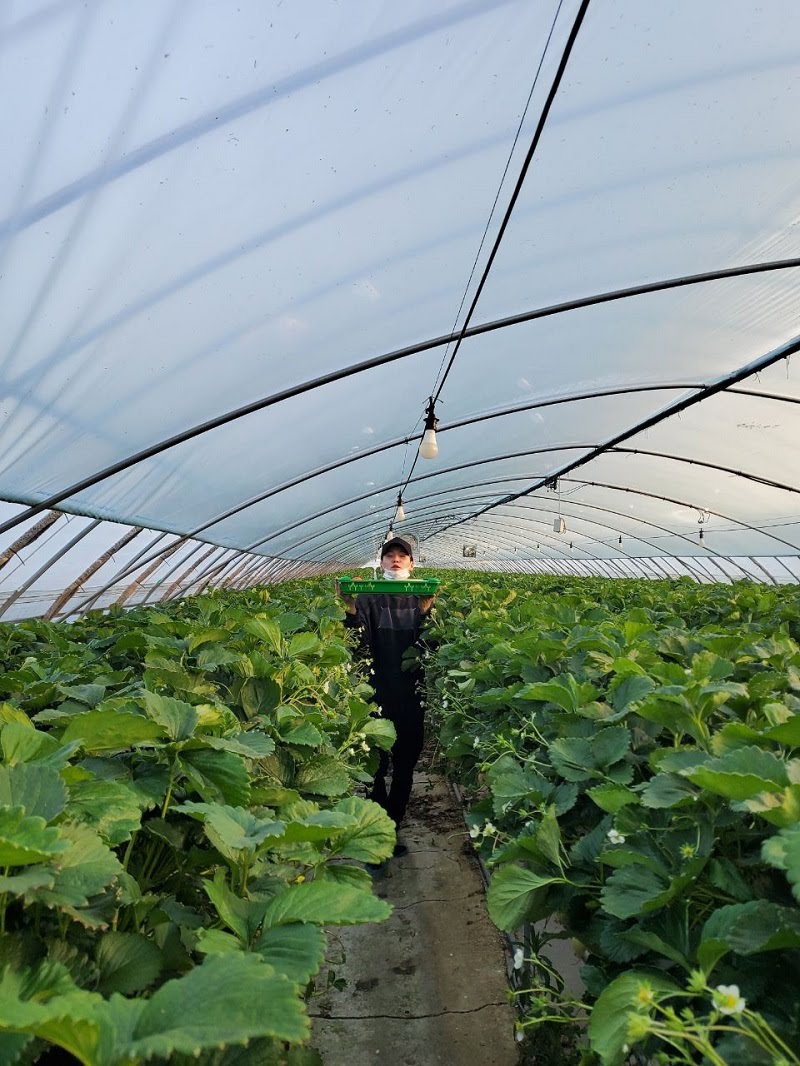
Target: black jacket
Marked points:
389	626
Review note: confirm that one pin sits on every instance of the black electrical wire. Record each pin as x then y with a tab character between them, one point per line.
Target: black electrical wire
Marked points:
783	352
562	66
738	523
534	83
537	134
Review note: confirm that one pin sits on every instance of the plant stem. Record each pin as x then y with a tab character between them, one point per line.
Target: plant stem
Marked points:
129	849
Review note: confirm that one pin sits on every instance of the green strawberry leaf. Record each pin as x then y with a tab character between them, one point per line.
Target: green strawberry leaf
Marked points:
127	963
324	903
511	892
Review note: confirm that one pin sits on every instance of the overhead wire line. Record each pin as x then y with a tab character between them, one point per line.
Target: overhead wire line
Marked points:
441	378
500	185
537	134
784	351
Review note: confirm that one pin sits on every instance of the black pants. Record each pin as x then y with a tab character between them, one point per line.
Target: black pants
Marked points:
406	750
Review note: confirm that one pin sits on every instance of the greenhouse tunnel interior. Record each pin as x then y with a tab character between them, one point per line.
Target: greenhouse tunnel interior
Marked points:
248	256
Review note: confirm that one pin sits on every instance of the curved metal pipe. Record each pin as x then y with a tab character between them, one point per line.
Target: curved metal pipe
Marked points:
370	364
782	352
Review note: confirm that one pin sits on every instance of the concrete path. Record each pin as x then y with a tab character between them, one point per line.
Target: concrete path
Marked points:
427	987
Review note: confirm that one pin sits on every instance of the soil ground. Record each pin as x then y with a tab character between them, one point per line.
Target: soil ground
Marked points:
428	987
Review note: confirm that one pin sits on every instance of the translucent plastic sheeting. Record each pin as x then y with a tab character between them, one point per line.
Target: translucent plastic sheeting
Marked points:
61	565
205	205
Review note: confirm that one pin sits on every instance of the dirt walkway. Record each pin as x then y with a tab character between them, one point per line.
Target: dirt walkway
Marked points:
427	987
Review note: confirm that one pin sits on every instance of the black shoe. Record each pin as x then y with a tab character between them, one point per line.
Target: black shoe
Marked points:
400	850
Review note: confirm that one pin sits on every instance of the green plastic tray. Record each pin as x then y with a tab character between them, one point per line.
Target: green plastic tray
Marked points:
425	586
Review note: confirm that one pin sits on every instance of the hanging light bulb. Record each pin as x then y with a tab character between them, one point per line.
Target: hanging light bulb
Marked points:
559	525
400	513
620	540
429	449
701	536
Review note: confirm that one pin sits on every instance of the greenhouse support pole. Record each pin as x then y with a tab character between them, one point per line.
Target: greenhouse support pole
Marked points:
788	570
252	565
221	574
89	602
198	586
226	558
139	581
699	565
262	574
251	573
231	579
180	562
202	581
195	587
166	594
144	558
248	567
737	570
29	536
12	599
275	572
763	569
228	576
220	566
661	571
81	579
708	561
177	584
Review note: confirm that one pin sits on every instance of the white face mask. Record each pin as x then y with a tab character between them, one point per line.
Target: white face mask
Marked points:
397	575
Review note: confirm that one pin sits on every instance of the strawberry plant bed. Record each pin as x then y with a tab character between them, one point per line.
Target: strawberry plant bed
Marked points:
632	753
178	824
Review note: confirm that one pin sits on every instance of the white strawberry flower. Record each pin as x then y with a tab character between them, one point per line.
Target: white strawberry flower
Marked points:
727	1000
519	958
615	837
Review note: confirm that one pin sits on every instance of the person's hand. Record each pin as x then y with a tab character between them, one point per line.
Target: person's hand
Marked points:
349	601
425	603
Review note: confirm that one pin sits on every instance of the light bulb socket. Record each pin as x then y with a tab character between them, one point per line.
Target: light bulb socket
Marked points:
429	448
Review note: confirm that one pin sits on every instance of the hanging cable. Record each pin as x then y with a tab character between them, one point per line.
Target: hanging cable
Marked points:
430	422
500	185
562	66
720	385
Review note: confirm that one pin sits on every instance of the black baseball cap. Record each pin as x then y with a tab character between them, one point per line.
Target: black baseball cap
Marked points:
398	542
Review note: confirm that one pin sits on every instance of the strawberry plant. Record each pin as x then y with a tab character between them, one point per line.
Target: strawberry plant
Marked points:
177	825
632	755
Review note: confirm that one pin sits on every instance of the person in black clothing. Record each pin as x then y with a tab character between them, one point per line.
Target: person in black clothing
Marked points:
390	625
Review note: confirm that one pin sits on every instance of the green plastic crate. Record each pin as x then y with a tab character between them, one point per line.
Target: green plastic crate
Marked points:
424	586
